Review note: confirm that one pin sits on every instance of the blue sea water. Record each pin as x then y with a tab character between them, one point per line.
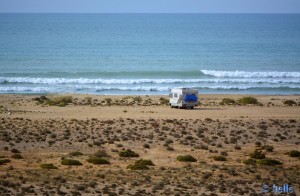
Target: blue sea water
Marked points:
150	53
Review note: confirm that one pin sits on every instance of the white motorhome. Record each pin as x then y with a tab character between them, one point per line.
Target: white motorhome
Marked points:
184	98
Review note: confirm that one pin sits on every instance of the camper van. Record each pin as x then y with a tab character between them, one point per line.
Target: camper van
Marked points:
183	98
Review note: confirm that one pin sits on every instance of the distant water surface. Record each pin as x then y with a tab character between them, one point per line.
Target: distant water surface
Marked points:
149	53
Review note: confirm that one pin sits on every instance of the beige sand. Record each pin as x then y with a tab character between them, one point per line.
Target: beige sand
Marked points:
46	133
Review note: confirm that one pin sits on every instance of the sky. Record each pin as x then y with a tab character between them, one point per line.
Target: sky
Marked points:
149	6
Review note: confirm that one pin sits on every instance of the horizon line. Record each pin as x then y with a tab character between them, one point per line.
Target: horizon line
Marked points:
149	12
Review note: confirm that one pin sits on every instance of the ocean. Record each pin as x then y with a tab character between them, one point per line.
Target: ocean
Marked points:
150	53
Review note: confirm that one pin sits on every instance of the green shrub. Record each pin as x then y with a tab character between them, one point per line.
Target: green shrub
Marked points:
97	160
59	101
228	101
108	101
75	154
16	156
268	161
257	154
128	153
219	158
144	162
138	99
186	158
268	148
137	167
294	153
3	161
289	102
249	162
248	100
163	101
141	164
48	166
15	150
70	162
101	153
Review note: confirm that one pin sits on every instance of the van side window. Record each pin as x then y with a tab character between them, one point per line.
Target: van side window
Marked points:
175	95
171	95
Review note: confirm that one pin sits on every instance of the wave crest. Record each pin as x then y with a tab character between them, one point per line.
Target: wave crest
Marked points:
246	74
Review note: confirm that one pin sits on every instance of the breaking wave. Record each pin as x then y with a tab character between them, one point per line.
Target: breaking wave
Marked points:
29	80
245	74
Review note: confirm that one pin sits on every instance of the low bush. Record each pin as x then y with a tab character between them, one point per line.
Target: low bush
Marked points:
164	101
146	146
137	167
97	160
186	158
15	150
294	153
228	101
101	153
70	162
249	162
257	154
268	161
144	162
3	161
248	100
59	101
16	156
128	153
75	154
48	166
268	148
141	164
219	158
289	102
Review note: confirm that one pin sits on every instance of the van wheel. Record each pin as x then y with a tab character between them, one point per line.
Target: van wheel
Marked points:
192	107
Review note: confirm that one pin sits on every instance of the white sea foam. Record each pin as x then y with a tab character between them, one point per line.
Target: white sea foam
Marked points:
21	89
246	74
27	89
144	81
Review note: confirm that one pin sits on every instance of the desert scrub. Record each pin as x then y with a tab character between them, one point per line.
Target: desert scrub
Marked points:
186	158
146	145
70	162
228	101
16	156
75	154
289	102
144	162
108	101
257	154
48	166
249	162
163	101
268	148
101	153
219	158
268	161
128	153
141	164
294	153
97	160
248	100
138	99
3	161
59	101
15	150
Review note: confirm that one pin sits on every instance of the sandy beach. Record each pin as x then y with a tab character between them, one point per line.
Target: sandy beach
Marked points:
221	137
